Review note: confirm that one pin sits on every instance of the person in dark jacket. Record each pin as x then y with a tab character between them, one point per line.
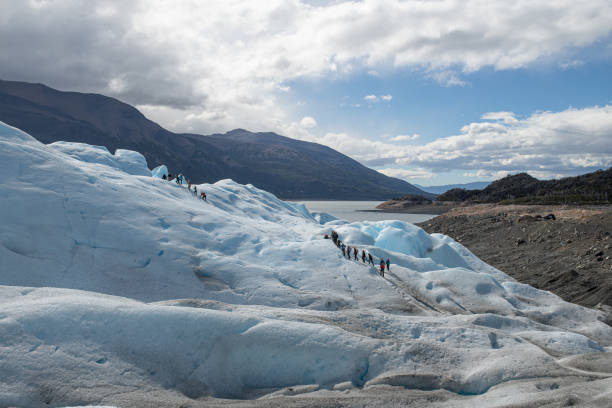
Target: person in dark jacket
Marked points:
363	256
388	265
355	253
370	260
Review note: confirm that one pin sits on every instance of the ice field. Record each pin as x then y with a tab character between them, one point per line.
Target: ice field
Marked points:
116	282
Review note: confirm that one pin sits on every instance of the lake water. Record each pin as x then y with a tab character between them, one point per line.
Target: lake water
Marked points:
353	211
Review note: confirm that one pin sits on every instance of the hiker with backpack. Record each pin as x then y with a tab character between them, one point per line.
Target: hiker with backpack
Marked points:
355	251
388	264
382	268
363	255
370	260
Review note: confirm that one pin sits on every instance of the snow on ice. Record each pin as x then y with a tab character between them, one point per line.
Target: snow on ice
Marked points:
115	280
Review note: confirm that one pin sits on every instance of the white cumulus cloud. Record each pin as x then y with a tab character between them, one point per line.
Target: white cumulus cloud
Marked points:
216	65
405	138
308	122
407	174
545	144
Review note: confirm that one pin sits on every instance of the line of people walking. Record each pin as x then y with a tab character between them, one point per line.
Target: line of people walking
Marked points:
181	180
348	251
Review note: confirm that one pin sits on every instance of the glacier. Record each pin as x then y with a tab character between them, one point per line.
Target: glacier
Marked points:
117	286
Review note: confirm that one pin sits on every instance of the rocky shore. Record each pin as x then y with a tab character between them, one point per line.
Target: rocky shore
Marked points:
569	255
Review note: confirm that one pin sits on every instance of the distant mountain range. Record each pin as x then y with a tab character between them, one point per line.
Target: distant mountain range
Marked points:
477	185
590	188
286	167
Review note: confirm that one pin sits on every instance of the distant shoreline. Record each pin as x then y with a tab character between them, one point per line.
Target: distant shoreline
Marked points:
417	209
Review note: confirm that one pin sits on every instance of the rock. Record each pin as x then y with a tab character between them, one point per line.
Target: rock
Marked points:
550	216
520	241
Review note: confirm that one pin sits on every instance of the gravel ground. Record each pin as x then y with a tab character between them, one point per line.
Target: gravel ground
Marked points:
569	256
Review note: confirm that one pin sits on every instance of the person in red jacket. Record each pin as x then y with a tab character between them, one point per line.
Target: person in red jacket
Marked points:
382	268
203	196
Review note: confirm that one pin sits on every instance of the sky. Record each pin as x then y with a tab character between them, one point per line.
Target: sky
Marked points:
433	92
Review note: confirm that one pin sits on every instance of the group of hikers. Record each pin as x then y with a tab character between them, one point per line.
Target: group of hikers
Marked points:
347	250
181	180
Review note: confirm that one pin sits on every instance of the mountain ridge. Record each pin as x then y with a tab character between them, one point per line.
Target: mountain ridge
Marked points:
289	168
475	185
521	188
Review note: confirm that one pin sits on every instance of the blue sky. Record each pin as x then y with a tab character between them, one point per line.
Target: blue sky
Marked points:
420	105
434	92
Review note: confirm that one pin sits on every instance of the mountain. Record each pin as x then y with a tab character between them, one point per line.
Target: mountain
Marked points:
590	188
121	289
479	185
286	167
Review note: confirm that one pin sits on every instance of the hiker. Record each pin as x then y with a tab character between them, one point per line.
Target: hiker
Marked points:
348	250
334	236
388	265
370	260
178	179
363	255
355	253
189	185
343	247
203	196
195	191
382	268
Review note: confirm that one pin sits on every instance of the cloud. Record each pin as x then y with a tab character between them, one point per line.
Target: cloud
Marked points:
447	78
219	64
506	117
407	174
571	64
545	144
376	99
405	138
308	122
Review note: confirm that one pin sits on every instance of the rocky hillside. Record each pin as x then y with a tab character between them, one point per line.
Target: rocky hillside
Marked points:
286	167
569	255
591	188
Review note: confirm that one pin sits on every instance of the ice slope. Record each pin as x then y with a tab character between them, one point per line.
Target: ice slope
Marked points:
150	288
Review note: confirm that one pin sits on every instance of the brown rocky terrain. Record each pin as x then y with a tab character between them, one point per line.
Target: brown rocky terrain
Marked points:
569	255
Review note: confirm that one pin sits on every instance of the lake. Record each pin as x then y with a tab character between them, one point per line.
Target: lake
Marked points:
354	211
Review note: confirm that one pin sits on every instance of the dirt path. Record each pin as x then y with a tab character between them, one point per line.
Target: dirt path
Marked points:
569	256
